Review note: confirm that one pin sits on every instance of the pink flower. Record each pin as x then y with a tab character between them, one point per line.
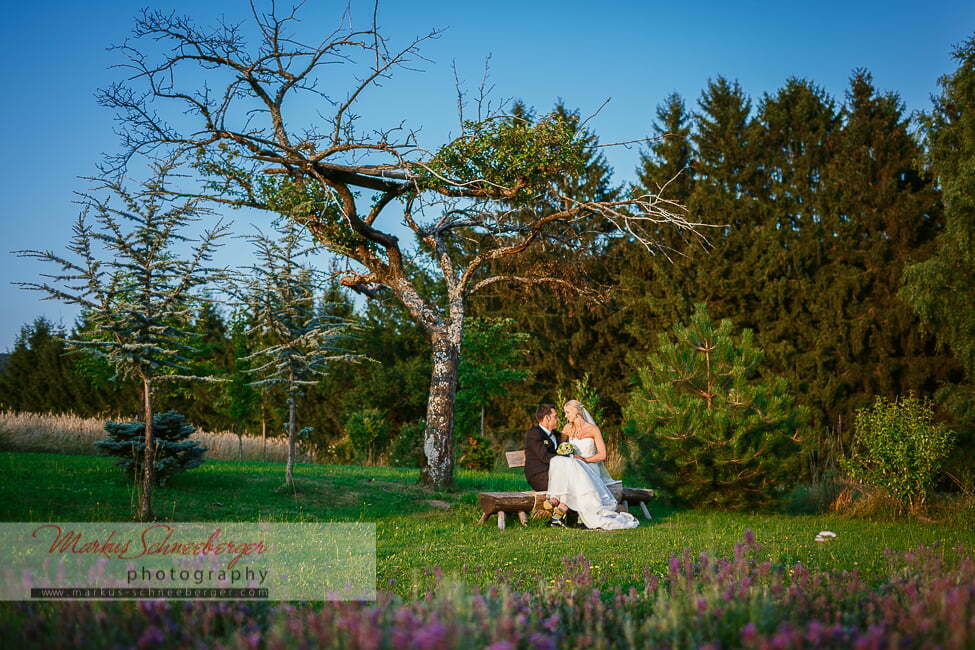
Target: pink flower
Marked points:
749	633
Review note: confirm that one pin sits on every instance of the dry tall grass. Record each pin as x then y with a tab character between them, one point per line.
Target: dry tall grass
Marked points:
615	461
70	434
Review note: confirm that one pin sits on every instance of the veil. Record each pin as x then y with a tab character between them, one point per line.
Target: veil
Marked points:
583	411
586	415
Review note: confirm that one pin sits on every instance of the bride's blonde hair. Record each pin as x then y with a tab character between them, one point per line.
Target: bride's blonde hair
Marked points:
578	406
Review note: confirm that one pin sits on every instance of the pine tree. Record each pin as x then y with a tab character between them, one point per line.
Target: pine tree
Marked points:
135	288
298	341
704	425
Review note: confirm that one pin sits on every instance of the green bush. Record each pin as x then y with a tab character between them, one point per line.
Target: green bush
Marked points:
702	424
342	452
899	449
174	453
407	448
368	433
477	453
812	498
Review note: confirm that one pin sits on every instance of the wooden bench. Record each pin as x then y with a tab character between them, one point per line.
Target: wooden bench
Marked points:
528	502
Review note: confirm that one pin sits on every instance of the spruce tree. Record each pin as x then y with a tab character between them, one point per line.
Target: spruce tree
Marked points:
298	341
702	424
174	451
792	130
878	211
667	166
726	174
941	289
134	287
654	291
40	375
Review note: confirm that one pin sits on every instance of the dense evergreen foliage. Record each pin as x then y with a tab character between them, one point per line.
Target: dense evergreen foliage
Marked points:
705	426
174	451
941	286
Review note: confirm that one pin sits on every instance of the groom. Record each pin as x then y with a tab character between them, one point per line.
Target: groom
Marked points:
541	441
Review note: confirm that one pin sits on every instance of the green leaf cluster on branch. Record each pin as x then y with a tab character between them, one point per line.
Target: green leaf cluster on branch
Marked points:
702	424
506	156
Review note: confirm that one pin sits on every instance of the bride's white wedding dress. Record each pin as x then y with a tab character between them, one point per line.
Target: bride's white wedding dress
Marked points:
583	487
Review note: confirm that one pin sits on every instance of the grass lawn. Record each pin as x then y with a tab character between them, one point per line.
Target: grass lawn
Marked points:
419	529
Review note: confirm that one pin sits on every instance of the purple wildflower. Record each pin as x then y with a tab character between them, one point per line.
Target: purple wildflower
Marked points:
749	634
430	636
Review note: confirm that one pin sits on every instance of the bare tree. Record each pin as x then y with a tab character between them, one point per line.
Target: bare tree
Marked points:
473	206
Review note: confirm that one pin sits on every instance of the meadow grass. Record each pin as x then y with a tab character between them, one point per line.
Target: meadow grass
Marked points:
420	530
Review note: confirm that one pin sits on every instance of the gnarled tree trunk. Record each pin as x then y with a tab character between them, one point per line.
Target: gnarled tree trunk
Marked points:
438	443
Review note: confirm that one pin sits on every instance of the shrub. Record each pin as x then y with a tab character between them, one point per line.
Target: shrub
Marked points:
897	448
341	452
702	424
368	433
813	498
407	447
174	452
477	453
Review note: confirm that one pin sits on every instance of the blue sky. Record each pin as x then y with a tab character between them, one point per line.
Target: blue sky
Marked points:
635	53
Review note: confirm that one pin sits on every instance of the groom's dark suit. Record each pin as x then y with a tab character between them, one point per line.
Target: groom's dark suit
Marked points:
539	450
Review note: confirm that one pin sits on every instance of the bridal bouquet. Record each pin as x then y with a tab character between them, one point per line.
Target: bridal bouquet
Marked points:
566	449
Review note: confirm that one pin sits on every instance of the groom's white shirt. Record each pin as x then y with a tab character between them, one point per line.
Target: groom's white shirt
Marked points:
548	433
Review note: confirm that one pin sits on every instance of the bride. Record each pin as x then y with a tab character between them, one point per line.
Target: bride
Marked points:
580	481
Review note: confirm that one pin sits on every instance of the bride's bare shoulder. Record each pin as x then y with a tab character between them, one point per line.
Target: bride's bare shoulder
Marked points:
589	430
